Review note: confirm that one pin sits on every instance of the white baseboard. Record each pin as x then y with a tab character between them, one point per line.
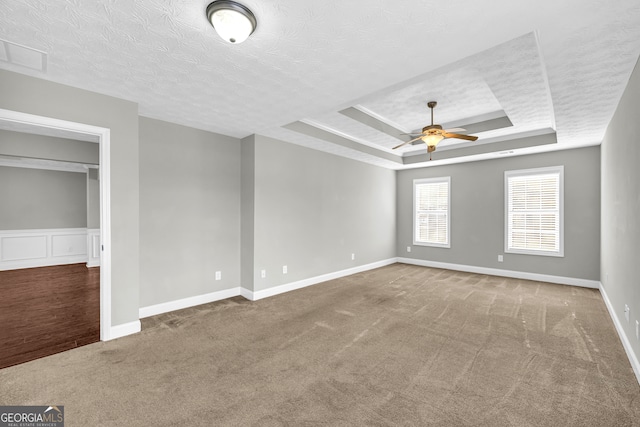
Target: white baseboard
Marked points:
256	295
166	307
626	343
585	283
246	293
123	330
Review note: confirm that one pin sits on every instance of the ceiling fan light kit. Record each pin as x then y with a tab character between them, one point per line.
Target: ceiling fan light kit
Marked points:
233	22
433	134
432	140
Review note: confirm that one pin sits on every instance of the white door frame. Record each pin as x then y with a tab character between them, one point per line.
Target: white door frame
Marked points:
104	141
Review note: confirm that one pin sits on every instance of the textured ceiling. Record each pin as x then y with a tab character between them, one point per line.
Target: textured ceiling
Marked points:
551	67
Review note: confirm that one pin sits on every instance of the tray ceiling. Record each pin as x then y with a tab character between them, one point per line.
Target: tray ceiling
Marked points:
348	77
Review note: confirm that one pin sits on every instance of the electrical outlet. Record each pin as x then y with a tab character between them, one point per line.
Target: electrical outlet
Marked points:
626	312
263	273
353	256
637	330
408	248
218	275
500	258
284	269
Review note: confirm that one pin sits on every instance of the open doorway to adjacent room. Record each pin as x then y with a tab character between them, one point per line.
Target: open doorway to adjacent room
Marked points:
55	258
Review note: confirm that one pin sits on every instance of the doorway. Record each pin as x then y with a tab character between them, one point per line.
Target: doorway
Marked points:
46	125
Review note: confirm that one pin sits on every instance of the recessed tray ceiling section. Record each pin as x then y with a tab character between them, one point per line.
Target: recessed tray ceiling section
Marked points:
499	94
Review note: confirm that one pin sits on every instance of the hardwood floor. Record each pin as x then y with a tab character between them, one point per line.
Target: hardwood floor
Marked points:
47	310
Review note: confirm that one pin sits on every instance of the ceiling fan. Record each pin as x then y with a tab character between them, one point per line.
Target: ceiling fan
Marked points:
433	134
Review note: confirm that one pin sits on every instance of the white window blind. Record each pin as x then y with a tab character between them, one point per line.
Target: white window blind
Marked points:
432	211
534	211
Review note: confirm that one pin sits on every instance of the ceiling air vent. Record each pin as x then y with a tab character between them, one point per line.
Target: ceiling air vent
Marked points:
23	56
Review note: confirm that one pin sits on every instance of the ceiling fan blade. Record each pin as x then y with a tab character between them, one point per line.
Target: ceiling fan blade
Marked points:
408	142
459	136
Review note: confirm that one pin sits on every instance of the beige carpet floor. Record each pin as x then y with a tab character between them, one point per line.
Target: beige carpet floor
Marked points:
396	346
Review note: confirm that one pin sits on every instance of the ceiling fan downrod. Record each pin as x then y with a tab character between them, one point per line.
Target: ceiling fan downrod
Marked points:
432	104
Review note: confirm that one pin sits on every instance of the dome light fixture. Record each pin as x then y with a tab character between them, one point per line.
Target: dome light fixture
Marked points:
232	21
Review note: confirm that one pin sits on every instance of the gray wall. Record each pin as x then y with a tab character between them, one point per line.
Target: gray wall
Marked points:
313	210
621	207
477	214
205	197
93	199
40	97
248	164
48	147
190	210
33	199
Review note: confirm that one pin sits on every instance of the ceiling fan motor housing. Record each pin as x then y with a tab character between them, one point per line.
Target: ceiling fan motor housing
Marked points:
431	129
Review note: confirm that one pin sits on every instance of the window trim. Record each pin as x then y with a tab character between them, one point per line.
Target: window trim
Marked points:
417	182
530	172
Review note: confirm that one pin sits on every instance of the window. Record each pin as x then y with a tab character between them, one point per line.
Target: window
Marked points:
534	211
431	212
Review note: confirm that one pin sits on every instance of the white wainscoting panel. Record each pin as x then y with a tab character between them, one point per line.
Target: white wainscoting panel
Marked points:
22	248
66	245
41	248
93	247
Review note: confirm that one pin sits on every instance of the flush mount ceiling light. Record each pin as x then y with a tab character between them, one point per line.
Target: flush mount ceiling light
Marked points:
232	21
